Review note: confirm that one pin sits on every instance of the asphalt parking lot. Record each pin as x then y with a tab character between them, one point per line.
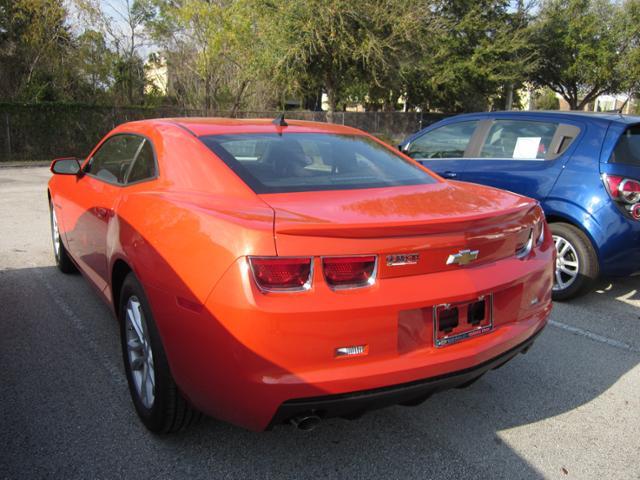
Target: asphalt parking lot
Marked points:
570	408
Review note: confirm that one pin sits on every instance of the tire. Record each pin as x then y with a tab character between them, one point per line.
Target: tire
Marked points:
576	264
155	396
60	255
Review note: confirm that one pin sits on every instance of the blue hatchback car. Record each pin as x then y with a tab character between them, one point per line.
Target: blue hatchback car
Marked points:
583	168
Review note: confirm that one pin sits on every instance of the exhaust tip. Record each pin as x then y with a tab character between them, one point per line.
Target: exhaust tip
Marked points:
305	422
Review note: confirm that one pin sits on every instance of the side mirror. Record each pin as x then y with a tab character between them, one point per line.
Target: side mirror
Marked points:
65	166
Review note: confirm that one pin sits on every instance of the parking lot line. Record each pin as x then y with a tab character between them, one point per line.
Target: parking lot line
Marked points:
594	336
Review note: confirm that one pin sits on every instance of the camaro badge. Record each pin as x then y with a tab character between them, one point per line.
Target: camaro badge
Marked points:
463	257
402	259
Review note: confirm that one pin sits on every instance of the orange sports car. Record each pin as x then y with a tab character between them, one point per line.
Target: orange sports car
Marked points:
269	272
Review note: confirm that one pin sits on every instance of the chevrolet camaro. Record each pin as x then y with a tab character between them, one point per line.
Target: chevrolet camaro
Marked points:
267	272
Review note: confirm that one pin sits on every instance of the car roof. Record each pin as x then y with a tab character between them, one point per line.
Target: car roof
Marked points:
202	126
590	116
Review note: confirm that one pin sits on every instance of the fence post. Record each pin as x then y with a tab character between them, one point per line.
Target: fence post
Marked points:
8	127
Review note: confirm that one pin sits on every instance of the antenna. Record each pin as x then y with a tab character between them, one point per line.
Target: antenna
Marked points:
280	121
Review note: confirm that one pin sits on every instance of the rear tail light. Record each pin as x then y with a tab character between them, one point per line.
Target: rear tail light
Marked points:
282	274
349	272
625	191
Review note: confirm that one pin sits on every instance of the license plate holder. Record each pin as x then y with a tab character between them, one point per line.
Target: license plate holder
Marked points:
454	322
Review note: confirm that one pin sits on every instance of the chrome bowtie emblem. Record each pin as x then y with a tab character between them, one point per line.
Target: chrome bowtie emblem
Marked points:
402	259
463	257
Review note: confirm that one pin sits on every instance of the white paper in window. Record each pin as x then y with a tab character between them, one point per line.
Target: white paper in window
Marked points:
527	147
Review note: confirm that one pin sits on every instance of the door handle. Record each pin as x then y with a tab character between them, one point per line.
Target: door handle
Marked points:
450	174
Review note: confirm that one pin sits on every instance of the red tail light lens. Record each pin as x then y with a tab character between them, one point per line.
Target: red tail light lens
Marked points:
623	189
349	272
626	192
277	274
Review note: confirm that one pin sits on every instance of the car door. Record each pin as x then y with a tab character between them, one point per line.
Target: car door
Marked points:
92	203
521	155
442	149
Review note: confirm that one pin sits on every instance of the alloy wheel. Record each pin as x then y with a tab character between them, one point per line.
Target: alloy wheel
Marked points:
55	233
567	264
139	353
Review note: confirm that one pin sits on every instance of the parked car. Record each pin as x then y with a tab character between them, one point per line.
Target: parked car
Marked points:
269	272
584	169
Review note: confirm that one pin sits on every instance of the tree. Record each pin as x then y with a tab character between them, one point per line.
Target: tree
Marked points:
336	44
629	66
578	46
211	47
546	100
95	63
480	51
34	50
122	25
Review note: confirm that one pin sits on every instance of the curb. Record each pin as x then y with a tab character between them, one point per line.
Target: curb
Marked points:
39	163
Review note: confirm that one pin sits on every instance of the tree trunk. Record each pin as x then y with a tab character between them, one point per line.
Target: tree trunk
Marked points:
389	104
332	97
238	98
509	101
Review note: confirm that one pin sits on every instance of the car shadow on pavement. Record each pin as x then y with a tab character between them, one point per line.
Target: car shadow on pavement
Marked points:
627	288
66	409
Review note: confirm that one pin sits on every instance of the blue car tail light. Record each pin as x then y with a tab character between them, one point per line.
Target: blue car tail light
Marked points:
626	192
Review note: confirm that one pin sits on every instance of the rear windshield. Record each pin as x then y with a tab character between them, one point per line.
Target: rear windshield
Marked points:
628	148
302	162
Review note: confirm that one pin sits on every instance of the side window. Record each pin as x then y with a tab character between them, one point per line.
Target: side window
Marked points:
144	165
449	141
112	160
518	139
628	148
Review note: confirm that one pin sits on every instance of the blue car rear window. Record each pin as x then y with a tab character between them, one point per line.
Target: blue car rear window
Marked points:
628	148
301	162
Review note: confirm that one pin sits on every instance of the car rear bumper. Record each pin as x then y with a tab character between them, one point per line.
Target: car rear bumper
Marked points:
354	404
619	249
244	355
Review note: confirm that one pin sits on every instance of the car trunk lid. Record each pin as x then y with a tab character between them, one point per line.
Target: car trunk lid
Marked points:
412	229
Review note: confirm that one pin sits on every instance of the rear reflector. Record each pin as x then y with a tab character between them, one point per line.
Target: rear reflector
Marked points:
349	272
282	274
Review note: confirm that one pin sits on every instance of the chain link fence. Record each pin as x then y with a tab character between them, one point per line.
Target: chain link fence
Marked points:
46	131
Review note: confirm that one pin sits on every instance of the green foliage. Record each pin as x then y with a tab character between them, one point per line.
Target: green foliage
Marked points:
230	55
546	100
481	48
34	50
212	49
341	45
578	47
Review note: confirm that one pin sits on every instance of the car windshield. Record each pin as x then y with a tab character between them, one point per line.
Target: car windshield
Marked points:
301	162
628	148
